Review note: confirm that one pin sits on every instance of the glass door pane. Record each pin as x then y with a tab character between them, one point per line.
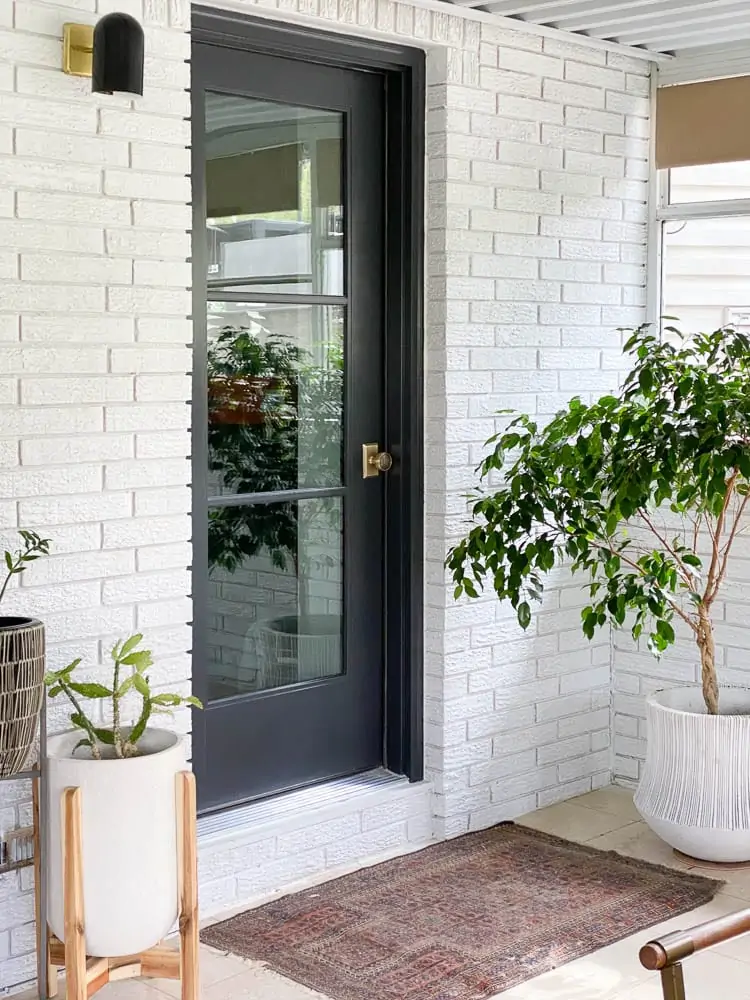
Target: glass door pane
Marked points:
274	196
275	595
275	397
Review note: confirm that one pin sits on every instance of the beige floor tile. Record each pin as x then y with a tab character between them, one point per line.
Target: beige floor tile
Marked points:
618	801
130	989
573	822
215	967
707	977
599	976
636	840
258	983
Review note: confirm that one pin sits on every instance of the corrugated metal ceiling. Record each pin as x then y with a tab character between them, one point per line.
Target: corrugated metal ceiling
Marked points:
669	26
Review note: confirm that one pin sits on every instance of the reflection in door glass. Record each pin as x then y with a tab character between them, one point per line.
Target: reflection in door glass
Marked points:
275	397
275	595
274	196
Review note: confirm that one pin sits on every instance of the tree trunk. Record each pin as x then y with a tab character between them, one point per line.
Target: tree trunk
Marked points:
705	640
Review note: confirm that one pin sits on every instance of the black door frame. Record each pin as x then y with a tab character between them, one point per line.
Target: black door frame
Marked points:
404	71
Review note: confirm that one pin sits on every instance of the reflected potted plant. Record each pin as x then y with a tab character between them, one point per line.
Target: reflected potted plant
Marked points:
248	375
644	494
301	423
21	664
127	779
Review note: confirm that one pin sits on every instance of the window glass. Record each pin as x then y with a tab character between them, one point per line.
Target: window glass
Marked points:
709	182
706	273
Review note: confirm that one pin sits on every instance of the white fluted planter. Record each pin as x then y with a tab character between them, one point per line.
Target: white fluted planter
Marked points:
695	789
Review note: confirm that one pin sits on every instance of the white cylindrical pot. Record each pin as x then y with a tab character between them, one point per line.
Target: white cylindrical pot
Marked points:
129	832
695	789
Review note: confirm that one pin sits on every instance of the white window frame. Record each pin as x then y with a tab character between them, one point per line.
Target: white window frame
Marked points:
664	211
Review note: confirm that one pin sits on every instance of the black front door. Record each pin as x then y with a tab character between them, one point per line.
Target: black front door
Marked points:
288	531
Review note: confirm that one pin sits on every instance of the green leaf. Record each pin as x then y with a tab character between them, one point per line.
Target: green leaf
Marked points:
140	727
130	644
9	561
141	660
91	690
82	743
524	615
195	702
141	685
170	700
105	736
665	631
126	686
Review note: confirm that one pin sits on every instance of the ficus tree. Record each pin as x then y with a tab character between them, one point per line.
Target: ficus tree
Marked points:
129	673
643	493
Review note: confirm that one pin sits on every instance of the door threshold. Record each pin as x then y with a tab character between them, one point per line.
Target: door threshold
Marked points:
300	803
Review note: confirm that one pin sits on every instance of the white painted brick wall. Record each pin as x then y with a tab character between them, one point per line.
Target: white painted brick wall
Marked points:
536	213
563	235
94	305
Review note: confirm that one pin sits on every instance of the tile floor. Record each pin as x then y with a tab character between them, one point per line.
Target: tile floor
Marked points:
605	819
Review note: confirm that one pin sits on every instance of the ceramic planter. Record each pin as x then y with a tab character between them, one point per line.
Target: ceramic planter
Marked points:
129	832
695	789
21	689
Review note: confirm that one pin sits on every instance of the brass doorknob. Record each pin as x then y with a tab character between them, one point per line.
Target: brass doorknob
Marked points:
375	461
382	461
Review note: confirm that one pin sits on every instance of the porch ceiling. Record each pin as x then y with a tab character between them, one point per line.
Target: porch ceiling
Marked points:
667	26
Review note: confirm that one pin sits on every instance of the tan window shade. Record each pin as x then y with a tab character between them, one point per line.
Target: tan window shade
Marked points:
328	172
700	123
253	183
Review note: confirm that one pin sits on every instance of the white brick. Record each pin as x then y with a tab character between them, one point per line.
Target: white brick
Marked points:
156	187
64	207
148	300
137	360
587	722
40	175
526	62
628	104
573	94
585	680
148	416
595	76
148	587
495	127
53	451
105	330
68	148
30	112
25	235
503	222
130	125
45	511
129	475
529	109
75	389
597	121
77	270
146	243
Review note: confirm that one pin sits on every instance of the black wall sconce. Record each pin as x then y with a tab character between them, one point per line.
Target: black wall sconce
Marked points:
110	53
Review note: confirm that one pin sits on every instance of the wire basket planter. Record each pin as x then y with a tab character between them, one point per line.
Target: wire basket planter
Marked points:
21	690
295	649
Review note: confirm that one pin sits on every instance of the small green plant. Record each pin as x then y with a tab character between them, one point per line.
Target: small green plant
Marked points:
16	562
134	662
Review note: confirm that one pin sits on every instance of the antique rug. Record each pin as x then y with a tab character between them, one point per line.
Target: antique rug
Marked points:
461	920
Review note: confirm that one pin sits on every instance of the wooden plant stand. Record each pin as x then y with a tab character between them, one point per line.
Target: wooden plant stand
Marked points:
84	976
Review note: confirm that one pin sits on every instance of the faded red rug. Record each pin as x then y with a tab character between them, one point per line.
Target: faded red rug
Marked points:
461	920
